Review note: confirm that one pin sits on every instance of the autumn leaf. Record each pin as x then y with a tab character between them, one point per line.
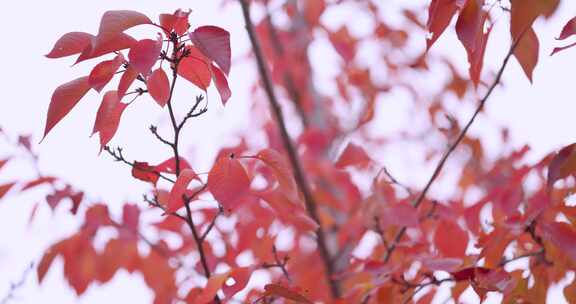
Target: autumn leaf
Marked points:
177	22
176	200
5	188
159	86
120	42
64	98
128	77
470	23
568	30
195	69
228	181
282	171
527	52
144	53
103	72
169	166
562	165
114	23
286	293
214	43
353	155
46	261
145	172
221	84
440	13
450	239
38	181
563	236
207	294
70	44
108	117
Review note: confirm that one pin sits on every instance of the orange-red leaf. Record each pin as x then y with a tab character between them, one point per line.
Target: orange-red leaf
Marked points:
169	165
527	52
440	14
70	44
5	188
470	23
195	69
64	98
38	181
563	236
228	181
145	172
285	292
114	23
103	72
176	199
450	239
45	263
221	84
214	43
241	276
108	117
144	54
159	86
209	291
353	155
177	22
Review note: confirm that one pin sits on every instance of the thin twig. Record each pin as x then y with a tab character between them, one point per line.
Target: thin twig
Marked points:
18	284
453	146
299	176
118	156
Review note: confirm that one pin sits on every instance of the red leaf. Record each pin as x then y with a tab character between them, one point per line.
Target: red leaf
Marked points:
527	52
563	236
126	80
568	30
353	155
103	72
46	261
228	181
177	22
287	211
3	162
241	276
559	49
285	292
562	165
176	200
169	165
467	274
214	43
195	69
131	217
476	58
144	53
64	98
70	44
282	171
159	86
470	23
5	188
145	172
440	14
114	23
108	117
400	215
38	181
221	84
450	239
118	43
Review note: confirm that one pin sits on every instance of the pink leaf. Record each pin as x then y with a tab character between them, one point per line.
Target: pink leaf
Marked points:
70	44
195	69
228	181
214	43
282	171
114	23
178	22
64	98
176	199
126	80
169	165
353	155
108	117
103	72
120	42
450	239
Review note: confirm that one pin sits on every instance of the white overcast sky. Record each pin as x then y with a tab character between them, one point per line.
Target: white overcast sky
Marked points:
541	115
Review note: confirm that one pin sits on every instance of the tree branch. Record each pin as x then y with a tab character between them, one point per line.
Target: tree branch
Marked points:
454	145
299	176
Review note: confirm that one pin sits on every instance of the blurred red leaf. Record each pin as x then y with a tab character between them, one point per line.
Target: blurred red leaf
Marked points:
527	52
228	181
5	188
286	293
563	236
169	166
38	181
214	43
114	23
562	165
207	294
282	171
353	155
450	239
221	84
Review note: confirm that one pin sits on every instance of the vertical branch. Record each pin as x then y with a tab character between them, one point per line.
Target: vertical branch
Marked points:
454	145
311	205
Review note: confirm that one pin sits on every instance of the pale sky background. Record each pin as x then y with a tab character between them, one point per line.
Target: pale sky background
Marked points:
541	115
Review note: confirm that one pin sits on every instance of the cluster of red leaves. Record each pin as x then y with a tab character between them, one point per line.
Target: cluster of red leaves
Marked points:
467	242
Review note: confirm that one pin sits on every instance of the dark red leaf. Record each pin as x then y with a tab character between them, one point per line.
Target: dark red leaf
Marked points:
131	217
64	98
241	276
70	44
568	30
221	84
527	52
562	165
214	43
467	274
559	49
144	53
5	188
470	23
159	86
103	72
38	181
563	236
